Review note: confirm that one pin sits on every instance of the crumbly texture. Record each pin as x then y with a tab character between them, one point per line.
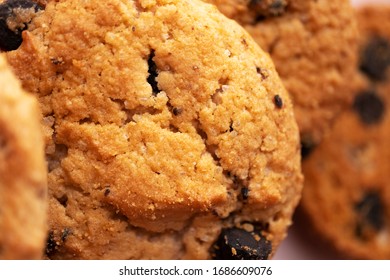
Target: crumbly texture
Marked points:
313	44
347	191
23	173
161	130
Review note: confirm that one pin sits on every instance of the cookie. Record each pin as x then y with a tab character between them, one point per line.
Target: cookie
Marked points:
23	172
166	137
347	194
313	45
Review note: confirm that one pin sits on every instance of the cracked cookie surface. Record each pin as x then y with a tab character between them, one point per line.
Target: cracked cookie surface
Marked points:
164	125
347	192
313	45
22	172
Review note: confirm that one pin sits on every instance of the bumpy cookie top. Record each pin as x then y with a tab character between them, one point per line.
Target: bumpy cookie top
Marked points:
313	45
160	121
347	191
22	172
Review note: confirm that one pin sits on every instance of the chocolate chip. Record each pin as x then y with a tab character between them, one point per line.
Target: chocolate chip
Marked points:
239	244
107	192
267	8
63	200
307	147
152	73
278	101
242	186
369	107
375	58
65	234
262	72
370	211
57	61
245	193
177	111
51	244
15	15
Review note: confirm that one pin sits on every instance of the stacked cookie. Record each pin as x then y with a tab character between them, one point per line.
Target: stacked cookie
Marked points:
169	133
347	193
167	136
313	45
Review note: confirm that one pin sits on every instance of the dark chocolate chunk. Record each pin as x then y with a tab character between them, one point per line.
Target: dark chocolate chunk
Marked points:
369	107
57	61
152	73
375	58
177	111
307	147
267	8
370	211
278	101
63	200
245	193
239	244
65	234
107	192
15	15
51	244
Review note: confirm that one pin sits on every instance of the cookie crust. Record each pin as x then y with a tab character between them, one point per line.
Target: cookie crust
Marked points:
156	120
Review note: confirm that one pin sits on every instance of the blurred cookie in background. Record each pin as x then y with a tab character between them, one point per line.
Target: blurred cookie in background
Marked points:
313	45
347	192
23	172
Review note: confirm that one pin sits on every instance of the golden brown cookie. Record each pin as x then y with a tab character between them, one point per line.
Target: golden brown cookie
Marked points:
347	191
169	134
313	44
23	172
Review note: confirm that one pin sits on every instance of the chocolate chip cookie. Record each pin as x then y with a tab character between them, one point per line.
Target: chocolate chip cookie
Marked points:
23	173
313	45
347	192
167	136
